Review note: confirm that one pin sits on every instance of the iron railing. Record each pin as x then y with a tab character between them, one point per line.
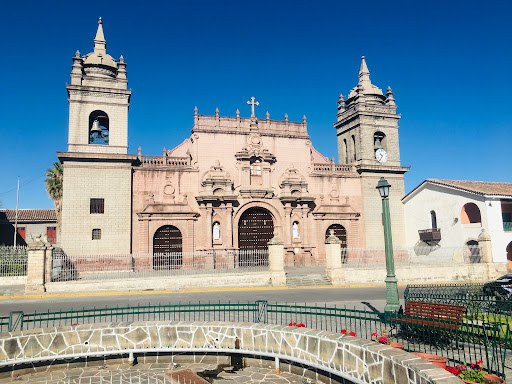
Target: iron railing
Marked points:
13	261
99	267
485	302
465	342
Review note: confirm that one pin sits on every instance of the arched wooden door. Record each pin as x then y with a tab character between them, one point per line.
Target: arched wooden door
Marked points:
340	232
255	230
167	248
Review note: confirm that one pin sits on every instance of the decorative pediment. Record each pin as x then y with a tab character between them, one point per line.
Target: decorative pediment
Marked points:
217	181
182	210
293	183
335	211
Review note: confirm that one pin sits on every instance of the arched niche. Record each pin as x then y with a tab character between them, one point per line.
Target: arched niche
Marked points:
470	214
99	128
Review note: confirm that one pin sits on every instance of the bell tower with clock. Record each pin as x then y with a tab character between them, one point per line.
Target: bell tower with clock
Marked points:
367	130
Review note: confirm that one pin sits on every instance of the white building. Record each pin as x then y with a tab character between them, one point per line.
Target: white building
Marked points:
453	213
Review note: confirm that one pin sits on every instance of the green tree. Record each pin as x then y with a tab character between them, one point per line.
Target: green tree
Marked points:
54	188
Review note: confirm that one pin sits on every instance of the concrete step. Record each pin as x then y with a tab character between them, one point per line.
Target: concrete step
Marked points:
310	280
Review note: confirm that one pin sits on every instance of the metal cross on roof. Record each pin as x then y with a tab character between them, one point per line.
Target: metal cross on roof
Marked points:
252	103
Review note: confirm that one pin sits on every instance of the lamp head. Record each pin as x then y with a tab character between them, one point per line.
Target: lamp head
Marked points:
383	187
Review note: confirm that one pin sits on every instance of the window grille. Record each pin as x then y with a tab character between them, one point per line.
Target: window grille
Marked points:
96	234
97	206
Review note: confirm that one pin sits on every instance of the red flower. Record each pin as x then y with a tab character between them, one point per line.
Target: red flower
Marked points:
453	370
479	362
383	340
290	324
343	331
461	367
375	334
351	334
301	325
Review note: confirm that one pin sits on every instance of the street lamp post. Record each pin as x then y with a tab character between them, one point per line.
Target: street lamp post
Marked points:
392	302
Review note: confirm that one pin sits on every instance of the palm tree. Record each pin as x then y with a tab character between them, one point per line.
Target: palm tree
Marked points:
54	188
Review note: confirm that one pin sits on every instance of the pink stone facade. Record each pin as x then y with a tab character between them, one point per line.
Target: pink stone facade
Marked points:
231	164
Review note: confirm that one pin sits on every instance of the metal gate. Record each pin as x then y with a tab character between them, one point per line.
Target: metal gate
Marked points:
167	248
340	232
255	230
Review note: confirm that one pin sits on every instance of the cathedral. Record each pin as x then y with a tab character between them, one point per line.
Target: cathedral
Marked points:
235	183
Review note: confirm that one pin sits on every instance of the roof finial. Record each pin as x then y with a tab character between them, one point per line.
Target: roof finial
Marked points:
364	73
195	110
237	112
390	99
304	118
216	111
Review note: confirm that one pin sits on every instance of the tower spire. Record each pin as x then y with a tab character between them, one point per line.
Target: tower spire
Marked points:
100	45
364	73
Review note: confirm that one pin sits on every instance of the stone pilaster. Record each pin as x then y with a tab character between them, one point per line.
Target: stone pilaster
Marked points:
287	224
209	224
333	268
38	252
276	261
229	225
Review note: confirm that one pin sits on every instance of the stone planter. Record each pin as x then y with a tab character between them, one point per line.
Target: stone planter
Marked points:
440	361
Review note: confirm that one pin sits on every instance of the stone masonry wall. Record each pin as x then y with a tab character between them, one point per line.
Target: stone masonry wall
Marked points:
83	181
352	358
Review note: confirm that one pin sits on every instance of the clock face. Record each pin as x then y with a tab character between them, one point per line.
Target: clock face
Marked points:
381	155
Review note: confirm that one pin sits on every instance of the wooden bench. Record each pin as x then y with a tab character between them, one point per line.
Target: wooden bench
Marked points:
422	314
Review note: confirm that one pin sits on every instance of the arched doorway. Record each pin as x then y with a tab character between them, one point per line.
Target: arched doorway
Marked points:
167	248
255	230
340	232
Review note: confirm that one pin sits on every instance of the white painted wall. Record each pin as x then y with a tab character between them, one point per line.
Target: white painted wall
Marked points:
499	238
447	204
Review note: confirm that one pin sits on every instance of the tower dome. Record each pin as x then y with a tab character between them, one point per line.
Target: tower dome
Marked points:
364	88
99	62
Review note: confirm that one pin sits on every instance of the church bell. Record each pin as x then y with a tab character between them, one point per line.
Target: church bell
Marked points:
96	127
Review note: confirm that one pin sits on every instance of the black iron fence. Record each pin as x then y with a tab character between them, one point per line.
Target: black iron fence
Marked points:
466	341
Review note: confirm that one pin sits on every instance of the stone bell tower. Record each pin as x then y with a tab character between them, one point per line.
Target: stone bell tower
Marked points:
367	130
98	101
96	205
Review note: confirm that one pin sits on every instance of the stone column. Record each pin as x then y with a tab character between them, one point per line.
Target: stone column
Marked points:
36	266
484	241
276	261
333	268
304	234
229	225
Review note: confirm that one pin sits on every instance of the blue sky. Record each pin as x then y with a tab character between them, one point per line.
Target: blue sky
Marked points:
448	63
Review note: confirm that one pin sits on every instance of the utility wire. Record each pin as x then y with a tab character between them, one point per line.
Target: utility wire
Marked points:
22	184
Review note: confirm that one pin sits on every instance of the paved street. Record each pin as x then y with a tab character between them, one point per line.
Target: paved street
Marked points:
359	297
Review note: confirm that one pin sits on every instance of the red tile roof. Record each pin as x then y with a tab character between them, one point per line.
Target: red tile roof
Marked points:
479	187
29	215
